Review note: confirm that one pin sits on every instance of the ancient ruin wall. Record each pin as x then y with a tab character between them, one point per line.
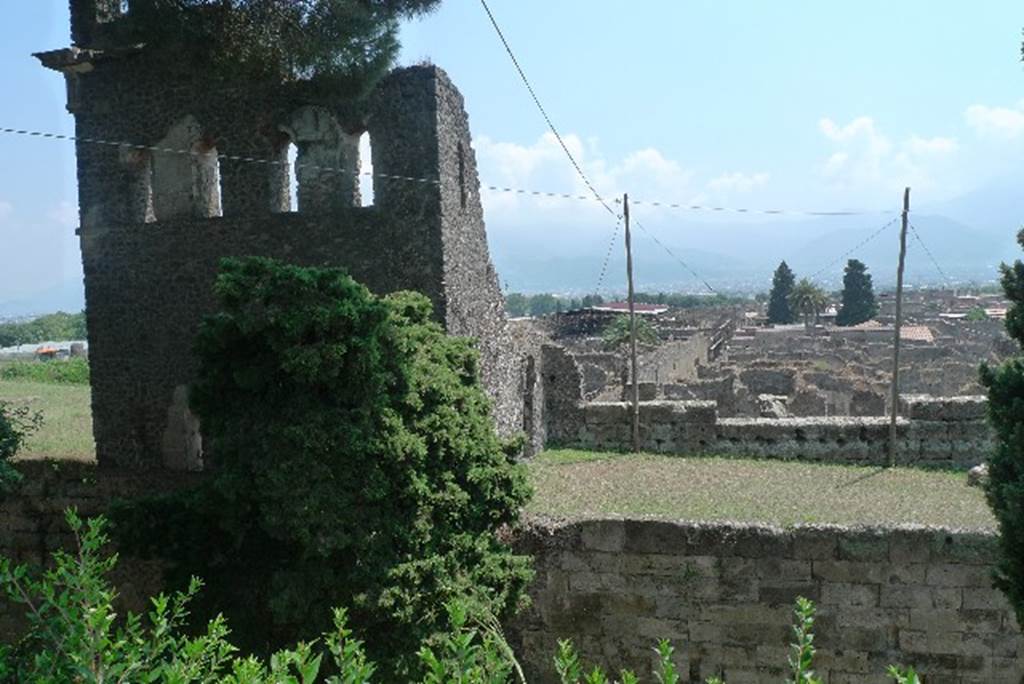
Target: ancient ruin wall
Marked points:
723	595
949	432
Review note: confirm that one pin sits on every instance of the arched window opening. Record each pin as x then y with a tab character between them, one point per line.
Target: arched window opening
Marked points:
293	178
283	184
326	161
206	200
138	166
186	174
365	179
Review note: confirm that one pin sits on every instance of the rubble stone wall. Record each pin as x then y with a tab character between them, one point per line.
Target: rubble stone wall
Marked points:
723	595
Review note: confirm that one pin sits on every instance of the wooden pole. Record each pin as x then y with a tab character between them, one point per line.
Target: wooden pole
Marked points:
896	332
632	328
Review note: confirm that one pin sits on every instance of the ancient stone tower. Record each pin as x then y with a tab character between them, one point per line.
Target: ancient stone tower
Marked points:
154	224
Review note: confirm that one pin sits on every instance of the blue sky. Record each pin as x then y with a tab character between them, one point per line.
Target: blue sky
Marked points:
797	104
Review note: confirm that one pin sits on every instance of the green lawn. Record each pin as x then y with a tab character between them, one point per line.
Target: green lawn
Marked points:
575	483
579	484
67	420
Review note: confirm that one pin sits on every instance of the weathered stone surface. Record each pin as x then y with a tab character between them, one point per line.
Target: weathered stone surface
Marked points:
723	593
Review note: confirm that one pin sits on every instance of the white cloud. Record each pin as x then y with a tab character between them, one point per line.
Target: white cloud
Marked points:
865	159
997	122
737	181
542	165
924	146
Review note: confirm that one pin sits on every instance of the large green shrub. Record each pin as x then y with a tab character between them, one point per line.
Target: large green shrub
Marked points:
356	464
1005	489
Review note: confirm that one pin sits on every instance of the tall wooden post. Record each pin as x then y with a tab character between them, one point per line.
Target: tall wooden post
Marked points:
632	328
896	331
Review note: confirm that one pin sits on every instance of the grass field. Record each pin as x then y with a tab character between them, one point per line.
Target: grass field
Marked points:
66	433
575	483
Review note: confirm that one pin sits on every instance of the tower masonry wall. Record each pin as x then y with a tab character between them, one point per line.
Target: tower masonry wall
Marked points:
156	222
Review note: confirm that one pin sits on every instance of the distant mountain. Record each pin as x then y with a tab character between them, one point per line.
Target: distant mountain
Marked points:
968	237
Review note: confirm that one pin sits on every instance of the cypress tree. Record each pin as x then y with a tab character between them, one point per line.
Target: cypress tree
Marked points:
1005	489
779	310
859	303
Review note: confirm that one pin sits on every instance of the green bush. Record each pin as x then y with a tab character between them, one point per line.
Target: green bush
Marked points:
1005	489
355	463
74	371
17	423
616	334
75	635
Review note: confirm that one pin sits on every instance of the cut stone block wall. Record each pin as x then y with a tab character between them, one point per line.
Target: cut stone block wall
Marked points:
723	595
32	524
947	432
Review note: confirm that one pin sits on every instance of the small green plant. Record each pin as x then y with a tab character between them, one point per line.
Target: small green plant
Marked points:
17	423
976	314
901	676
616	333
802	659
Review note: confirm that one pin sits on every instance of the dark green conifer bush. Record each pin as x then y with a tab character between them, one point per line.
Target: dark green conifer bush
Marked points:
356	465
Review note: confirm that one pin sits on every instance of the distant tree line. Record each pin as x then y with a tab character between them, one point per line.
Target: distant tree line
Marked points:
518	304
51	327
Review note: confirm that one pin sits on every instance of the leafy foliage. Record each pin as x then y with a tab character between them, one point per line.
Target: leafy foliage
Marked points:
347	43
802	660
49	328
976	314
75	635
808	300
616	334
1005	490
858	299
74	371
17	423
356	464
779	310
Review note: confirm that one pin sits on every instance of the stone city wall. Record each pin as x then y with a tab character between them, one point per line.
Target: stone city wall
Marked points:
723	595
32	523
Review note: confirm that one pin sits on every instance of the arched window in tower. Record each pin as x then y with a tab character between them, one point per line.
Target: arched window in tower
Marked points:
206	200
327	161
365	180
284	195
138	170
186	174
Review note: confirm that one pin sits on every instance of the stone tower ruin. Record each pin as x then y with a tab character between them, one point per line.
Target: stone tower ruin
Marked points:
155	224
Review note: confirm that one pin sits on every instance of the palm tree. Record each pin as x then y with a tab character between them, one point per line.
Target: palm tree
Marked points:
809	300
